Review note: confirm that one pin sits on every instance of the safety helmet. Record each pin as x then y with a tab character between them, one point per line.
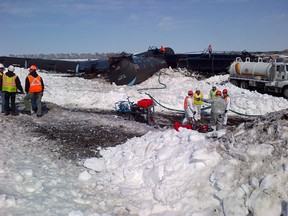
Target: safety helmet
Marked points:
190	92
225	91
219	93
33	67
1	66
11	68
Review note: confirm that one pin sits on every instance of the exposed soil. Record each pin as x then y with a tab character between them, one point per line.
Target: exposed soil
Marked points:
79	133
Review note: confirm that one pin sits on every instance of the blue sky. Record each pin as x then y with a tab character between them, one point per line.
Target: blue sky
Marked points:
90	26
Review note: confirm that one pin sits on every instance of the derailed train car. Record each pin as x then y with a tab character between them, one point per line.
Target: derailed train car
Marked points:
128	69
60	66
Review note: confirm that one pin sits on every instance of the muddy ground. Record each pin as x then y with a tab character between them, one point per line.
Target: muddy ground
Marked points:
78	133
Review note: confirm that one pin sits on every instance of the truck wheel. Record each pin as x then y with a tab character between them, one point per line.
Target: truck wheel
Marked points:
285	92
234	82
244	85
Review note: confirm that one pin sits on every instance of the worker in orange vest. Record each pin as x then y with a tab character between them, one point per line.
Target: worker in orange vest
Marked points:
189	109
2	68
34	87
228	101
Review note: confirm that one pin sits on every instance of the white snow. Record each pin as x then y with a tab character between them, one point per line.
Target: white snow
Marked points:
164	172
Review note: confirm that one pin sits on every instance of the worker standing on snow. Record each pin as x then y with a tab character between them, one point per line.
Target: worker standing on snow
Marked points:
218	108
198	96
189	109
2	68
228	101
9	85
34	87
213	92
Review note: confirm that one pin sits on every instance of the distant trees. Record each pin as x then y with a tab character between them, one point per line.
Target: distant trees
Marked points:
58	56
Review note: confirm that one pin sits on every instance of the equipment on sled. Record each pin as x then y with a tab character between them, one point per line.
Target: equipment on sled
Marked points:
143	111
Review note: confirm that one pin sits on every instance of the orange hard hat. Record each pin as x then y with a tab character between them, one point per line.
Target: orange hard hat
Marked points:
218	93
225	91
33	67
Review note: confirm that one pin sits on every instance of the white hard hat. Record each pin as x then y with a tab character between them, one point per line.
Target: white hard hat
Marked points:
11	68
1	66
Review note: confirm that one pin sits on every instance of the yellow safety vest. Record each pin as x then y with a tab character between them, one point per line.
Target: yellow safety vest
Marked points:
213	94
196	96
9	83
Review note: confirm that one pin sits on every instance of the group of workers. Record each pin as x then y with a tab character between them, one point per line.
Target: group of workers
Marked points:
220	105
10	83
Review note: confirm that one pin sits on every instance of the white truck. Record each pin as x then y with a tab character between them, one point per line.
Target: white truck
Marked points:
265	76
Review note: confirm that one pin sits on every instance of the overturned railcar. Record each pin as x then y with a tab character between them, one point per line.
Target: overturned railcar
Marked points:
94	67
128	69
43	64
213	63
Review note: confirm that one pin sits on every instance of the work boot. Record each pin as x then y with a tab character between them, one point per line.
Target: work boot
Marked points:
26	112
7	113
14	113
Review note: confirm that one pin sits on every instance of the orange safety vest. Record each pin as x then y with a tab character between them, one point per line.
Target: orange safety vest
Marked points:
35	84
9	83
186	102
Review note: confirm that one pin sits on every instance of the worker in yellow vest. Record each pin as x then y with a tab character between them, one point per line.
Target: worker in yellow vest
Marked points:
34	87
213	92
198	101
9	85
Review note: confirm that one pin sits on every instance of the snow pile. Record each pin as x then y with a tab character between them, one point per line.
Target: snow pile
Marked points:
161	173
168	87
184	173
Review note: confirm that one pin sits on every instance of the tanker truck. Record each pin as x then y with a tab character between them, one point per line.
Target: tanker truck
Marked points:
264	76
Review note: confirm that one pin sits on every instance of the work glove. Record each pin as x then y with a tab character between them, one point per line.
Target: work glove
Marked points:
194	112
226	111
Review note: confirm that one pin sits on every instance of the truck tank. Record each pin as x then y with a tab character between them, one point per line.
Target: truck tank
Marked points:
253	70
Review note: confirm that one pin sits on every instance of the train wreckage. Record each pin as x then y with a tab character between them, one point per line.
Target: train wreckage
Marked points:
132	69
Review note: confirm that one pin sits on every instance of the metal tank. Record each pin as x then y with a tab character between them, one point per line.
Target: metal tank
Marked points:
253	70
126	69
